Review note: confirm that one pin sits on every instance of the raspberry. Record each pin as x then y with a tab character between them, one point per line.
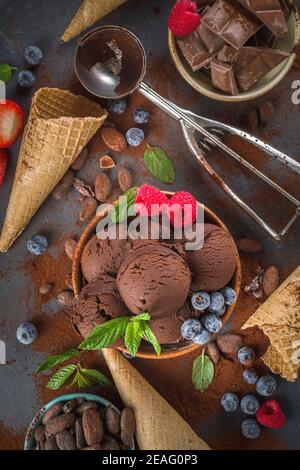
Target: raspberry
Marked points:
270	415
3	165
146	197
184	18
186	209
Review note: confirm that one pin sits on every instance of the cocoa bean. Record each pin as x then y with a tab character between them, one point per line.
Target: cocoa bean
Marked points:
70	247
80	160
63	186
109	443
127	426
106	162
54	411
87	405
46	288
112	420
50	444
92	427
213	352
65	440
39	436
60	423
69	406
65	298
248	245
84	189
270	280
229	343
103	187
124	178
87	209
113	139
80	442
80	400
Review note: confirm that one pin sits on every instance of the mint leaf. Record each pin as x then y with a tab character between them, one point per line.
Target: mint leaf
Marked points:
159	164
80	380
141	316
6	72
96	376
52	361
133	337
203	372
61	377
124	205
105	334
149	336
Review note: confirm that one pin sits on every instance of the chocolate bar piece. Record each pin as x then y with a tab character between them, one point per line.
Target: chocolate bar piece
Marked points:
211	41
222	76
227	54
194	51
254	63
231	22
270	13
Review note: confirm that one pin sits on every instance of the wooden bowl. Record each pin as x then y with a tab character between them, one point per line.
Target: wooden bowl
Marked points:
170	350
201	82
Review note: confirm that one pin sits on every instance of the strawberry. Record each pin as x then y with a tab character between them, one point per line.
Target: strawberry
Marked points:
11	122
3	165
270	415
184	18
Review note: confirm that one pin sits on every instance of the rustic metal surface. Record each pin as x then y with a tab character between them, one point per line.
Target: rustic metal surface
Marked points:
41	22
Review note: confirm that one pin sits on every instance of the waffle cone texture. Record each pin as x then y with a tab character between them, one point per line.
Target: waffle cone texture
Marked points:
89	12
279	318
158	425
59	126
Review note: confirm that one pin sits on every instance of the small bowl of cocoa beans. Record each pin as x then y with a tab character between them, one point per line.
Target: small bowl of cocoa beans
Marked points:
81	421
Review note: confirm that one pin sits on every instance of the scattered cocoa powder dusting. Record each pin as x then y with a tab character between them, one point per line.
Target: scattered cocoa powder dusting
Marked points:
9	439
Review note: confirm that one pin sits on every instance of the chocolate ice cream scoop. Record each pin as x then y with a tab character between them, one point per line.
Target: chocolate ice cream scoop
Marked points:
103	257
154	279
214	265
167	330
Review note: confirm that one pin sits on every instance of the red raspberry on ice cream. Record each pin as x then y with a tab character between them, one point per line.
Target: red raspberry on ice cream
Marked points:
183	18
271	415
183	208
148	200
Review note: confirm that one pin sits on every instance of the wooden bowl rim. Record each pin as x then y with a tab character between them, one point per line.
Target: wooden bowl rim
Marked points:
187	347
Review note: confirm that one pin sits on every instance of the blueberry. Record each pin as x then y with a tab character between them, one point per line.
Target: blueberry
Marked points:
216	301
135	136
220	312
26	333
250	428
33	55
26	79
141	116
117	106
229	295
202	338
250	376
230	402
249	404
191	328
200	301
266	386
246	356
212	323
37	245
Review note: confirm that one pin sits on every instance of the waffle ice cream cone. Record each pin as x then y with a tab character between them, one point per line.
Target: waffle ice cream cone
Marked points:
158	425
279	318
89	12
60	125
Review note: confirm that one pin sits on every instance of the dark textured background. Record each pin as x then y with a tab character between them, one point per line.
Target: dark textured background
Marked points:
41	22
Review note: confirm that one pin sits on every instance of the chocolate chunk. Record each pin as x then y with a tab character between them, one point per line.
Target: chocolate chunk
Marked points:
254	63
194	51
223	77
270	13
231	22
227	54
212	42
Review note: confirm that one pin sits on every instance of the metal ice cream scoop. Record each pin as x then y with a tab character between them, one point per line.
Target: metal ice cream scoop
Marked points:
95	62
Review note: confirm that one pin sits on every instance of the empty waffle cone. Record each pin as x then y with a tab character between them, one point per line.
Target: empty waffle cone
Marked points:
89	12
158	425
60	125
279	318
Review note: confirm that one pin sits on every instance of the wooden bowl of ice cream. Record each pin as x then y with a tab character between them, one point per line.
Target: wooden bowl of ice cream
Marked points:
200	80
146	351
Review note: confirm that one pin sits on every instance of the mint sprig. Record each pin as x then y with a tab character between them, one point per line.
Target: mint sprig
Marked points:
53	361
124	207
61	377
